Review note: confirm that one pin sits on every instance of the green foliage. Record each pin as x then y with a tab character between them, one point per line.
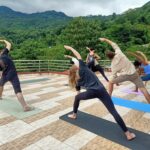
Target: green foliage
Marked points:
53	53
2	46
29	49
81	33
42	35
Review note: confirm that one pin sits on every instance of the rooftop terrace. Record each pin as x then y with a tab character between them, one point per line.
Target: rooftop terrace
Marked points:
43	129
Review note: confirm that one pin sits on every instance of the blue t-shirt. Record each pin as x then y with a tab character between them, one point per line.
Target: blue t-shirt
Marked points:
7	65
146	69
87	78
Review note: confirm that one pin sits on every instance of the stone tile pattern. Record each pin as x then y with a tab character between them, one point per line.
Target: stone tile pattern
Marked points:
44	131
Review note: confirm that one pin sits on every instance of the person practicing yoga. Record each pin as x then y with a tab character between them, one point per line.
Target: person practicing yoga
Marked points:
92	62
142	65
137	65
81	75
122	65
9	74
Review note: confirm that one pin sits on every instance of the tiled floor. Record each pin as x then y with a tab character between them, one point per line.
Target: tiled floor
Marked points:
45	131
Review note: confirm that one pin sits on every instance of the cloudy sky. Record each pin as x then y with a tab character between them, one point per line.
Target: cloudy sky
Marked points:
74	7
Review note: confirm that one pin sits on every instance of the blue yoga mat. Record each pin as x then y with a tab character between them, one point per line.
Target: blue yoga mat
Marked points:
132	104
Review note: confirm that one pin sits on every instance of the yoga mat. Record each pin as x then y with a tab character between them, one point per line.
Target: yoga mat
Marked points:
14	108
132	104
34	80
129	91
109	130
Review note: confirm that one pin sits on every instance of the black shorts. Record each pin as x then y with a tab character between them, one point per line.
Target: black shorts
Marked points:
97	68
14	81
90	64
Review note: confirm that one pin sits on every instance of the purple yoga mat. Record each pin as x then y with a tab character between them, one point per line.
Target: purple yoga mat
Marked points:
129	91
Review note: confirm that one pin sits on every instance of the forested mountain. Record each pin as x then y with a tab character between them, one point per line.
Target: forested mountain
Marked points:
12	19
39	35
137	15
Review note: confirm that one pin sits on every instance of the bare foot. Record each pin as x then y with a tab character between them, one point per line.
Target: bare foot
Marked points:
28	108
130	136
72	116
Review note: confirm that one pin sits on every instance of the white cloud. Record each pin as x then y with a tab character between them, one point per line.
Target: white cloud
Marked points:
74	7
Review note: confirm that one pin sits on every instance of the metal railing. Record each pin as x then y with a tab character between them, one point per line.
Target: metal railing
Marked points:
48	65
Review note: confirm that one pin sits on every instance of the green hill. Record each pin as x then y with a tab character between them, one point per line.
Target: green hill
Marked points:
38	35
12	19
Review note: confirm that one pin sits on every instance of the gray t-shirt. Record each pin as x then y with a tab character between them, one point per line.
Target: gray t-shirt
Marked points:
88	79
90	58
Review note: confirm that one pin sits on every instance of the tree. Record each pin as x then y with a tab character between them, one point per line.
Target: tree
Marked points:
81	33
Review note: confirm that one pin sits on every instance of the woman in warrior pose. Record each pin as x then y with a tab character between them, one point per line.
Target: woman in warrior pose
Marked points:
81	75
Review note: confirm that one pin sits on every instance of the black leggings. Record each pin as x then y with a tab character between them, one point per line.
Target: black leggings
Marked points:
105	98
101	70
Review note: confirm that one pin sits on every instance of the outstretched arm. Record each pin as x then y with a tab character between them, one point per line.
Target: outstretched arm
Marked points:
76	62
88	54
143	57
73	51
97	57
8	44
136	55
88	49
68	56
114	45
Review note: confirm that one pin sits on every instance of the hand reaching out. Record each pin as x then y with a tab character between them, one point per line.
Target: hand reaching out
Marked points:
67	47
102	39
